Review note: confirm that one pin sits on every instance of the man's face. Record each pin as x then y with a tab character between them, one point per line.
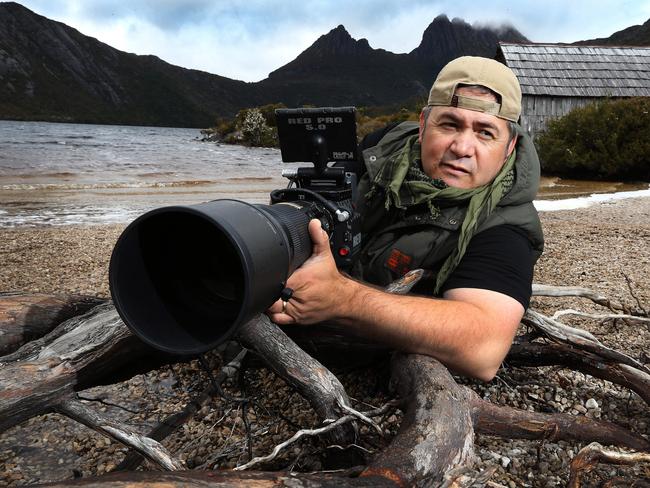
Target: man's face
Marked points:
464	148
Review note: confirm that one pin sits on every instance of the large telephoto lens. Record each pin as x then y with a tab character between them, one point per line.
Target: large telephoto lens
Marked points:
183	278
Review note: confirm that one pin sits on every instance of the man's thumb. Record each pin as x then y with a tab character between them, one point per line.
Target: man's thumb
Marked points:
319	237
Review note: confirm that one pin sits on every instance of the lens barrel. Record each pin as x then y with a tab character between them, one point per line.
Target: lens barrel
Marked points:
183	278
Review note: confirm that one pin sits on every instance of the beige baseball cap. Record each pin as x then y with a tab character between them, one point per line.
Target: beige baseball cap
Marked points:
472	70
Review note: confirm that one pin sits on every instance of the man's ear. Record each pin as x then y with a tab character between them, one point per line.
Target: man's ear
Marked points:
511	146
422	121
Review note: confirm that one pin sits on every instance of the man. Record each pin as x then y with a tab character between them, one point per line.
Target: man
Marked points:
453	195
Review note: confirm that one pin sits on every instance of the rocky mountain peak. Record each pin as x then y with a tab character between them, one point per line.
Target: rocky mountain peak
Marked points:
339	42
444	40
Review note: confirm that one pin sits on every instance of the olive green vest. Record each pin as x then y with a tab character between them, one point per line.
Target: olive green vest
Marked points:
399	240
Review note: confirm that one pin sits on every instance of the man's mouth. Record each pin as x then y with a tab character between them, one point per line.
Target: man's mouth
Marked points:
455	168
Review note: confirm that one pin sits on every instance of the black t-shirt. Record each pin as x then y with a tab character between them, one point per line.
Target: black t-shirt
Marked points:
500	259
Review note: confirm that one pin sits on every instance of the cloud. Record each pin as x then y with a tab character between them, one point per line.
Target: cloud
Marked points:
247	39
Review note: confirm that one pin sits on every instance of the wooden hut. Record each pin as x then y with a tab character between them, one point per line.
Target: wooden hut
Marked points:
557	78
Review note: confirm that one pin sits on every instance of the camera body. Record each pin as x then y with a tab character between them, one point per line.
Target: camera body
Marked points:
326	137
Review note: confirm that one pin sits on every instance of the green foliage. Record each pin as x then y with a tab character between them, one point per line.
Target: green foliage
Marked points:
367	123
604	140
254	129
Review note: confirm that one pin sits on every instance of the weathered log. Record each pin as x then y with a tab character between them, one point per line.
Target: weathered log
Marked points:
84	351
436	434
225	479
27	317
311	379
540	354
513	423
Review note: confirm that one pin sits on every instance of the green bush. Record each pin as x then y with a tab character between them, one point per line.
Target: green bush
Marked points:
605	140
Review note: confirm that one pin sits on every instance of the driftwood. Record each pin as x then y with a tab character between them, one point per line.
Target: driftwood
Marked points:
226	479
593	454
27	317
45	374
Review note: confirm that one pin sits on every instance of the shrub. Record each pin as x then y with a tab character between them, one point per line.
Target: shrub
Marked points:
251	128
605	140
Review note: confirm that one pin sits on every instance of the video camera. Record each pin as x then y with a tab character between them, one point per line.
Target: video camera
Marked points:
183	278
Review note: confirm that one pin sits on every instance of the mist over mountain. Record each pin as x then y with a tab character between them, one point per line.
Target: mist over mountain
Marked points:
50	71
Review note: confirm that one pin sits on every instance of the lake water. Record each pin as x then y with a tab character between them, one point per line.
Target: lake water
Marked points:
59	174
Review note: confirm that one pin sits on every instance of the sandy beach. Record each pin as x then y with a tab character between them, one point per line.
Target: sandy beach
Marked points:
605	247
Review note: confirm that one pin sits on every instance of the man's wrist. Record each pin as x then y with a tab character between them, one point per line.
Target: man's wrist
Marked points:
351	300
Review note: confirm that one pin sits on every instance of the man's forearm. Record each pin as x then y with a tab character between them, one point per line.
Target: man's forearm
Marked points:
463	336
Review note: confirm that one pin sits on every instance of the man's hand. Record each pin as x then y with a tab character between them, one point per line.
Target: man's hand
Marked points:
317	286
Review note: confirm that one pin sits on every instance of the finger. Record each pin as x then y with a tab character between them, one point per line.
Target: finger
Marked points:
276	307
282	318
319	237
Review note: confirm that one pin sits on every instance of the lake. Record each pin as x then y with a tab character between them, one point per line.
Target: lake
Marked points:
61	174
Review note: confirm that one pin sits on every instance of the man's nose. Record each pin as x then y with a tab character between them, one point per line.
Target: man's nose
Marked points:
464	144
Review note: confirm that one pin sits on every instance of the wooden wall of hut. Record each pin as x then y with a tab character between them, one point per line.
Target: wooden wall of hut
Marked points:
537	110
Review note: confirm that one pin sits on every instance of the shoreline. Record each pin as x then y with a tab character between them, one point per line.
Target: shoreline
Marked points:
74	258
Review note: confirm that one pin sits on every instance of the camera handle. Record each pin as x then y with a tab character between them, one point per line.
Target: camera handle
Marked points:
288	194
319	153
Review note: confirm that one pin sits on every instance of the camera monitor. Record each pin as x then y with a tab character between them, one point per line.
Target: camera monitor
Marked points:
304	132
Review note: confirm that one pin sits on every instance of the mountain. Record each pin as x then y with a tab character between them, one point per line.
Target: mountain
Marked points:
339	70
49	71
637	35
445	40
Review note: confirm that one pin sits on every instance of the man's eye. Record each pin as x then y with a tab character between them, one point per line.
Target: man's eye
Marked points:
486	134
448	125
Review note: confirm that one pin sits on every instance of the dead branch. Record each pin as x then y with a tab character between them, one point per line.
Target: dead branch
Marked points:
534	354
574	291
625	483
310	378
512	423
145	446
630	288
579	338
596	316
314	432
594	454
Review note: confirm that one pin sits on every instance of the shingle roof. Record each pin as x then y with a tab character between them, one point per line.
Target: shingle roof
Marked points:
582	71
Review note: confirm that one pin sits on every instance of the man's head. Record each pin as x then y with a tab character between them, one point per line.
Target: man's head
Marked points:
467	128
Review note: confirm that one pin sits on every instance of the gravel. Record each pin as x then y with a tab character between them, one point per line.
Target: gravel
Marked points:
605	247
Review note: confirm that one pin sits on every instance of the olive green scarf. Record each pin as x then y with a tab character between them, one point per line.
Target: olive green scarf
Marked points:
405	185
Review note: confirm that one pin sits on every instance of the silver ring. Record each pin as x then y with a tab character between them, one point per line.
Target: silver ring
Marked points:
284	306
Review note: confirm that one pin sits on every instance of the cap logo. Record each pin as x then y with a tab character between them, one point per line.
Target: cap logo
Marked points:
478	105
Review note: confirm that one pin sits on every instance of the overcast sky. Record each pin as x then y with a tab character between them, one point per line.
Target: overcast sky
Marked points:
246	39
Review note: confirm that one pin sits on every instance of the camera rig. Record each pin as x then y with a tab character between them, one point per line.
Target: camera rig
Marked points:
322	136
